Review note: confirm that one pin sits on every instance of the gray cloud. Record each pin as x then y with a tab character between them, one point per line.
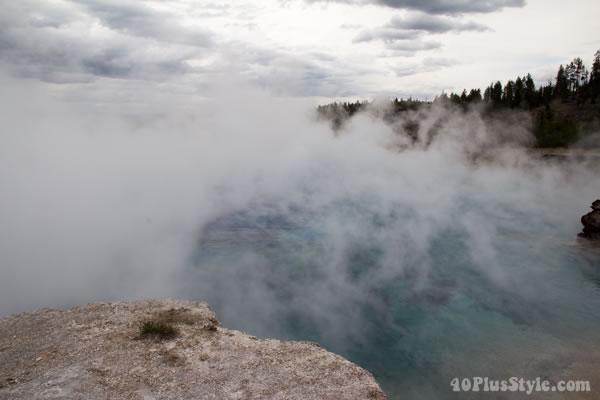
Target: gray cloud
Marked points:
415	25
386	33
440	6
110	63
137	19
85	41
55	44
81	41
406	48
452	7
433	24
403	35
311	74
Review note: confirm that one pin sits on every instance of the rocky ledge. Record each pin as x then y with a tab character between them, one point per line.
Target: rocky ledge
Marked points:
163	349
591	223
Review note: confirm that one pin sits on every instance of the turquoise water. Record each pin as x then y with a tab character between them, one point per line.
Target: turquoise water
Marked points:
492	290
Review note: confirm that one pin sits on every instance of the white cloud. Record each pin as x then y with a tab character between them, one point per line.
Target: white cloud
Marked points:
321	49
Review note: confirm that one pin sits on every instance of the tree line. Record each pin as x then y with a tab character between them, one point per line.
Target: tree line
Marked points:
560	109
573	82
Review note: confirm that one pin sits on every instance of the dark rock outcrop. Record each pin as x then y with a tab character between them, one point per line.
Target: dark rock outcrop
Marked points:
591	223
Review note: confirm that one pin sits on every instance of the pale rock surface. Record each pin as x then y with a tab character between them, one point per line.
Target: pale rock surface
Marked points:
97	352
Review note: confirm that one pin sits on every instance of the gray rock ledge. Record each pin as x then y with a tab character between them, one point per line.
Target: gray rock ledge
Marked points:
97	352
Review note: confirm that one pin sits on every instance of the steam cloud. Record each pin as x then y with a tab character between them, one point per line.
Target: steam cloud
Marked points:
109	206
106	207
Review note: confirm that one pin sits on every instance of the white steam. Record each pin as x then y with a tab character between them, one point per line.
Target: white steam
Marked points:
111	206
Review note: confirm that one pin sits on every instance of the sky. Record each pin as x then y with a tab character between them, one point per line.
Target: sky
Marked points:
98	52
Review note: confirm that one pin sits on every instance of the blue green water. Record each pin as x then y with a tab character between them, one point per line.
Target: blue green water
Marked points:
491	290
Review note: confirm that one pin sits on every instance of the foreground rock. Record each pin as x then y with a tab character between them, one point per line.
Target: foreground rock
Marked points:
99	352
591	223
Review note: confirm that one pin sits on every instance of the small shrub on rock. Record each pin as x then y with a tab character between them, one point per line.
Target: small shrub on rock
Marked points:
158	329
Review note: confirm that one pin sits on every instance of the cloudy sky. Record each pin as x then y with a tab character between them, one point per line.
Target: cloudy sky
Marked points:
123	50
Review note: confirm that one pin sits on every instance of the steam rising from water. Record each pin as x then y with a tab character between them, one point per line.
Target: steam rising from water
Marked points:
402	261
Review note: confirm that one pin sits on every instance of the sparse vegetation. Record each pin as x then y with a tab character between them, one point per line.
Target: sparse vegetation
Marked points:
157	328
177	316
162	325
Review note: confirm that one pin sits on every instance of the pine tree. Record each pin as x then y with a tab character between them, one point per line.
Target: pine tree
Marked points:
595	77
454	98
530	95
487	94
474	96
497	93
547	93
576	75
561	88
518	92
507	96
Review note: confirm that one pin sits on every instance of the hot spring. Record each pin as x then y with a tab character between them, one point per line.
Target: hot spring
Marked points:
419	265
482	278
